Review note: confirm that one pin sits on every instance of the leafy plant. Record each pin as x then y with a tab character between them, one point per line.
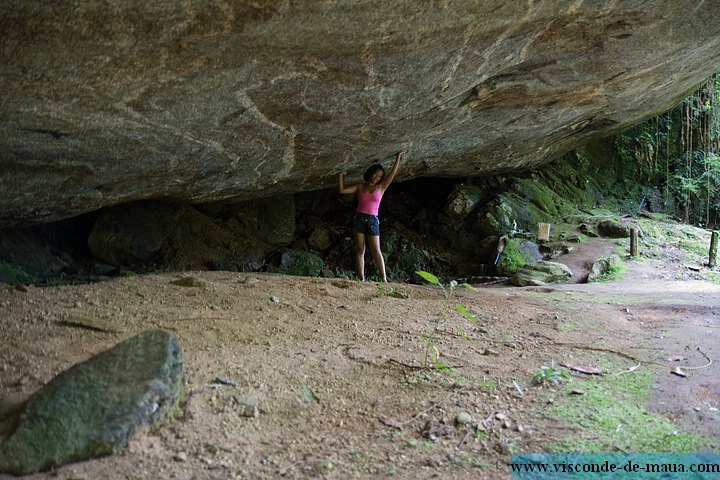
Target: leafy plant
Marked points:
552	374
433	357
388	291
304	264
11	273
307	394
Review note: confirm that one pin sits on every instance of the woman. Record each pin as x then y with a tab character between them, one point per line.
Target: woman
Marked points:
366	224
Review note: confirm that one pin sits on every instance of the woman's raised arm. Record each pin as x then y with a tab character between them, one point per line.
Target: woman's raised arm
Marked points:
341	185
393	171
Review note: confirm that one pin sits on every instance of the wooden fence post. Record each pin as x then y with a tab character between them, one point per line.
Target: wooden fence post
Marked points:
633	242
712	260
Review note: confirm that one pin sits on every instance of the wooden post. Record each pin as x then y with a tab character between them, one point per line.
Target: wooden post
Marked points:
633	242
712	261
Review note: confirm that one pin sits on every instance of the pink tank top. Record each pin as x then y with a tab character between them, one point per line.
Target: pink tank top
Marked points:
369	203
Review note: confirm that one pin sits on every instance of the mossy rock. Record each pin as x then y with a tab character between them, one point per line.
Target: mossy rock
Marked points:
541	273
95	407
611	228
603	267
516	254
299	262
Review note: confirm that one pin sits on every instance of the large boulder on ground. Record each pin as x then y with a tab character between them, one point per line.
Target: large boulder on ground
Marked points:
131	234
299	262
541	273
177	236
602	266
611	228
95	407
216	100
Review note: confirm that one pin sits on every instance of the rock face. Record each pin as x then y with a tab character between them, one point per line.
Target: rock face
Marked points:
94	408
206	100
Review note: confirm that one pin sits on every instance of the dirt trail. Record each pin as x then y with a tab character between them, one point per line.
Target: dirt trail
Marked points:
334	365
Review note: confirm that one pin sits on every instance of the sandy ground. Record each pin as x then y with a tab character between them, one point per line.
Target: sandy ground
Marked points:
335	366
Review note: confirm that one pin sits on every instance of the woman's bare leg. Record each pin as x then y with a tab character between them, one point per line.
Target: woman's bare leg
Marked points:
374	243
360	255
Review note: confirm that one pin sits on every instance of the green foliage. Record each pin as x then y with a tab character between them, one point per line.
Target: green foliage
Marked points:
679	151
305	264
434	361
11	273
384	290
552	374
612	274
404	258
307	395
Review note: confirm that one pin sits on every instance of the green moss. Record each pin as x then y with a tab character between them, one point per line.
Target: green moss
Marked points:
692	241
614	270
305	264
613	415
94	408
512	259
713	277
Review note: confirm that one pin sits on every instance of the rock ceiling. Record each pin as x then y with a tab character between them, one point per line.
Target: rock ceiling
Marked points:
206	100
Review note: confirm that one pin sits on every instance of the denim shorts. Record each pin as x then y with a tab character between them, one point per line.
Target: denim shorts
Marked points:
366	224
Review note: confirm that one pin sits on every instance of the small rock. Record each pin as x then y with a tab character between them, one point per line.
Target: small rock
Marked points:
463	418
180	457
226	381
248	405
275	299
324	467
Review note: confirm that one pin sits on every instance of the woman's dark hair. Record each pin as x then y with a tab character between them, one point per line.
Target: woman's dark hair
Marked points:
371	171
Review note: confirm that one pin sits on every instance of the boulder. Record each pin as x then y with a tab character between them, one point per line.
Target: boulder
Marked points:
463	200
95	407
298	262
179	237
541	273
225	100
320	239
603	266
129	235
612	228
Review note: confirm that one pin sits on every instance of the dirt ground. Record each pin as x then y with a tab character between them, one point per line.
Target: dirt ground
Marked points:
335	367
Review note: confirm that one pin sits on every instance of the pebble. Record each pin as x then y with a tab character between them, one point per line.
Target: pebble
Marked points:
247	405
463	418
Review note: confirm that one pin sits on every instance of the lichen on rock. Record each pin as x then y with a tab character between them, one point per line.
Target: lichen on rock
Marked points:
95	407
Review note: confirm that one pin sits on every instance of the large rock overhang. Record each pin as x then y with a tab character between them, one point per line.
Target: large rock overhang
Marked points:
208	100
